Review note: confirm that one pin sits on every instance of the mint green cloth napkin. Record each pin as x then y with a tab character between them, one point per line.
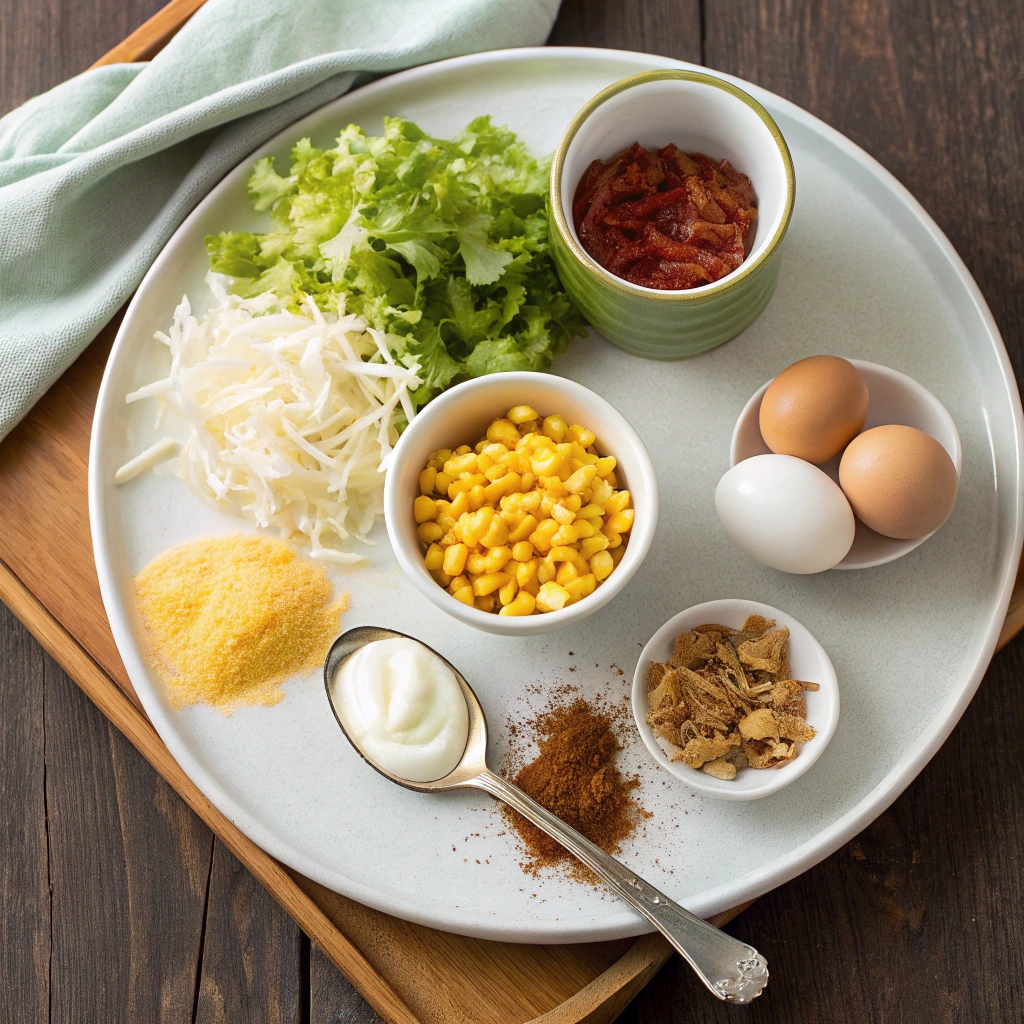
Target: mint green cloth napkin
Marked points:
96	174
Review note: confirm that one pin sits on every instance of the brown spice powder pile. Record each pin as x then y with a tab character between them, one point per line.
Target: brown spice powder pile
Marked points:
574	776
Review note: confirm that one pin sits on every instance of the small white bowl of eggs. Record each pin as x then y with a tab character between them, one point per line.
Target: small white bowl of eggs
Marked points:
840	464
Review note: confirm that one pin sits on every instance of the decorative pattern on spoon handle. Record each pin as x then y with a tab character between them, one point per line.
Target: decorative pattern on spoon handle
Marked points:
732	970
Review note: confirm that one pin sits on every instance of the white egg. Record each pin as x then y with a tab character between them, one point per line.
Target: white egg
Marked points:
786	513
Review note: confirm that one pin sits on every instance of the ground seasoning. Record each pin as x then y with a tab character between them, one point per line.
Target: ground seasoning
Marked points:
574	776
228	619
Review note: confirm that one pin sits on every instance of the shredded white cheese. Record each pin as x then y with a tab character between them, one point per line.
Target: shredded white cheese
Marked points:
291	417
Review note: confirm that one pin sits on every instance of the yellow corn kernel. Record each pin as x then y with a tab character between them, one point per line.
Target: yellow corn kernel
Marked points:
479	447
621	522
613	480
561	515
495	451
551	597
497	557
441	483
540	442
530	587
427	479
617	553
424	509
463	449
457	584
529	427
546	571
545	463
457	487
562	553
580	479
434	558
522	604
617	502
458	465
509	483
566	574
584	528
522	551
503	432
465	595
590	512
523	530
585	438
614	539
508	592
476	563
541	537
486	603
521	414
495	471
455	559
563	536
582	587
489	583
526	571
590	546
476	497
441	577
440	457
601	492
430	533
529	479
448	539
478	524
605	466
601	565
496	534
554	427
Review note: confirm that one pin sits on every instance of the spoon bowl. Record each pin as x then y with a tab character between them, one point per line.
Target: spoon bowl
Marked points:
732	971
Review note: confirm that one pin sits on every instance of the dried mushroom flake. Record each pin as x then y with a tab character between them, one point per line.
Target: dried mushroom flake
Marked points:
726	700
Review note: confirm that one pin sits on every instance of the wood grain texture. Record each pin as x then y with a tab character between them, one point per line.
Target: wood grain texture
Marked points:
123	913
671	28
251	965
332	998
24	863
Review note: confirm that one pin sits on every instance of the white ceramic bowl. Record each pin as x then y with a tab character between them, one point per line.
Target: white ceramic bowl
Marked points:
460	416
809	662
894	398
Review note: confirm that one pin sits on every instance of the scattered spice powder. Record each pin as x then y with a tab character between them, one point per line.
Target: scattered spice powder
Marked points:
726	700
574	776
228	619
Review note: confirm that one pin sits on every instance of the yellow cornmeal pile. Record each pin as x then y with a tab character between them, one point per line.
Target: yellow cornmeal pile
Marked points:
229	618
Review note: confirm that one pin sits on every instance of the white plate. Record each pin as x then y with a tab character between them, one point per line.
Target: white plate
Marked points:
867	274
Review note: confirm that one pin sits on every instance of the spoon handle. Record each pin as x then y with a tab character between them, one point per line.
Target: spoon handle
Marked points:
732	970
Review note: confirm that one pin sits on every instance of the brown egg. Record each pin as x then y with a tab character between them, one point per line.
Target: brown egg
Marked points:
899	480
814	408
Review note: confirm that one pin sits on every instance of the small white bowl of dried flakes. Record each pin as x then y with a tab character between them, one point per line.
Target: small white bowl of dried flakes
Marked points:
735	698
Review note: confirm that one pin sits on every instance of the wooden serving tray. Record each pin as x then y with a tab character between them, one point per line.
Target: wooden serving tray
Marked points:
408	973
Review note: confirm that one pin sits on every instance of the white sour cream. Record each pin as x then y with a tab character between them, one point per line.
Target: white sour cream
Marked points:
403	707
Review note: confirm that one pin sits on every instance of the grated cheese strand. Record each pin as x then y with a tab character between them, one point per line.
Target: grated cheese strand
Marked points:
291	416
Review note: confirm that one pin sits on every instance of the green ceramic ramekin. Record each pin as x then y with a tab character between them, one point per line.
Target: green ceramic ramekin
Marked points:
697	112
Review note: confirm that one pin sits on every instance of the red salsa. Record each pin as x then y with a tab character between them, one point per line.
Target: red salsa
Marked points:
664	218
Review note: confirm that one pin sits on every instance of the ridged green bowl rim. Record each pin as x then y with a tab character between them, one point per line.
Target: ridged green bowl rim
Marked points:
686	295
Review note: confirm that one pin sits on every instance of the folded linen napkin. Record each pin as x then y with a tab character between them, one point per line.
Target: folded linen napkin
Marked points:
96	174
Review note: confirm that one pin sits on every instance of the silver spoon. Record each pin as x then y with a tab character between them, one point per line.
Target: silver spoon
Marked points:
732	970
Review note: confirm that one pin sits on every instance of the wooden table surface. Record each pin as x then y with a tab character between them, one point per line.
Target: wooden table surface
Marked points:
118	903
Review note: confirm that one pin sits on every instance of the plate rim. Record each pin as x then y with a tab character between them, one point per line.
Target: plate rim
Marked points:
709	901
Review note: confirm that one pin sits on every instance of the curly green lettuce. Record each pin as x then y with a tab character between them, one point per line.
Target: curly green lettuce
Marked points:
440	244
